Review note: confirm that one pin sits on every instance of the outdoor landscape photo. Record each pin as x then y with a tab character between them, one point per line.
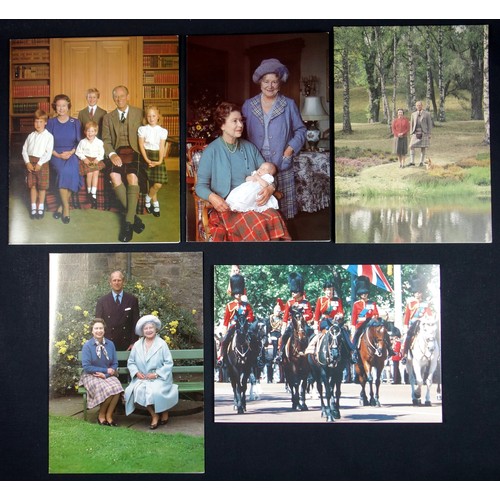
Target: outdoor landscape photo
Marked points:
440	190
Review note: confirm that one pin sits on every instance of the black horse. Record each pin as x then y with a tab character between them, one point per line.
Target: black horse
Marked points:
270	349
242	355
327	365
295	364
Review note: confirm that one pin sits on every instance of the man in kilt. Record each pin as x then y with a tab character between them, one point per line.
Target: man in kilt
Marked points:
420	129
121	146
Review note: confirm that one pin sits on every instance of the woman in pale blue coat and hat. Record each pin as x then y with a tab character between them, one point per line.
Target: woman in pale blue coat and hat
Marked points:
274	125
150	365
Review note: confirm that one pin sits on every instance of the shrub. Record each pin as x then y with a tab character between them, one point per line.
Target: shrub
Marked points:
70	327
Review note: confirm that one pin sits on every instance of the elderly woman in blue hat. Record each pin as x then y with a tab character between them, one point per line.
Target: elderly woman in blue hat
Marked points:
275	126
150	365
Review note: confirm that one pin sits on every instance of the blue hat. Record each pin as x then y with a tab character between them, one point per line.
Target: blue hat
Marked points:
270	66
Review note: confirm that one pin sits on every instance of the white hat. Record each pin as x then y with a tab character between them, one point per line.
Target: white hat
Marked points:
149	318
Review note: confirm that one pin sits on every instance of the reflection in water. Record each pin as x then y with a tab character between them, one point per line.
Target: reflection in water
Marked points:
437	222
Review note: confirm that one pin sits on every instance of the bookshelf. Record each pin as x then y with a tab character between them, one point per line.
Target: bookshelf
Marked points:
160	80
29	83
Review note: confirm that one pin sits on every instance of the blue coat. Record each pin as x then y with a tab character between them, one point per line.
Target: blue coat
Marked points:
286	128
162	391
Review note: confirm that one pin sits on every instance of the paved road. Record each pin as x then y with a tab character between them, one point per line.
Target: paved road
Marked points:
274	405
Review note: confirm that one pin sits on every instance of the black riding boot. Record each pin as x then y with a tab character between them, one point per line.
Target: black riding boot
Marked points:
284	340
351	347
388	344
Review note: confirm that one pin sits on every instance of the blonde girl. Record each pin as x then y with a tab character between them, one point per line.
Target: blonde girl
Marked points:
152	144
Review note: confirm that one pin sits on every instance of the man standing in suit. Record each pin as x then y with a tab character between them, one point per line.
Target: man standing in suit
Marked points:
119	134
92	113
120	312
420	129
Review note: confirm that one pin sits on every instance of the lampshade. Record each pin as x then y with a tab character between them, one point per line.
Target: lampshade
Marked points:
313	110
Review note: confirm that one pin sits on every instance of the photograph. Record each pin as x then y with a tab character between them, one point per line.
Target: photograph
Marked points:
412	134
94	140
327	343
258	147
126	385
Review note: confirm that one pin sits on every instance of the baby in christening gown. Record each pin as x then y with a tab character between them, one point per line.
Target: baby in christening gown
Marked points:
243	198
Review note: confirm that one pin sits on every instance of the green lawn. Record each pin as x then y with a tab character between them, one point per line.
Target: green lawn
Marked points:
455	109
77	446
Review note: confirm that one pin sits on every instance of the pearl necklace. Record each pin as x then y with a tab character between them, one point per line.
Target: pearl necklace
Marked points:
231	147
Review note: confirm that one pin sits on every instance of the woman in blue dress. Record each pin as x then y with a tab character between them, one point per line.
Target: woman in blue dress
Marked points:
67	134
275	126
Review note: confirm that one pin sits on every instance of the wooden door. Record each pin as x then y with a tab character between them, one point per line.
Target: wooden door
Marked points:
83	63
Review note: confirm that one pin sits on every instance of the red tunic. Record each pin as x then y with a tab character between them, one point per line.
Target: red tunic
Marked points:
415	310
305	306
328	307
242	307
361	311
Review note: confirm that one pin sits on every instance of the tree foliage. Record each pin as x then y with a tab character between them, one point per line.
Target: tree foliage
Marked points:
266	283
432	62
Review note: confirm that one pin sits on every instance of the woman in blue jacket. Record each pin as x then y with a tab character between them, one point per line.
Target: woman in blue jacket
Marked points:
100	374
275	126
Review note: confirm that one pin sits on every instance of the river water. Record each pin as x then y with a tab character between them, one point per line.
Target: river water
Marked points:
401	221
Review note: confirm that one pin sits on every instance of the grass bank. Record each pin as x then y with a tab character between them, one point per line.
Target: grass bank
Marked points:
77	446
366	167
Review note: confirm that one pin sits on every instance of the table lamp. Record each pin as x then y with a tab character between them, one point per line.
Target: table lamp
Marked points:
312	112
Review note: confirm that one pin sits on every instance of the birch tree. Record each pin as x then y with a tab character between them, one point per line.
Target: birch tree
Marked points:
486	87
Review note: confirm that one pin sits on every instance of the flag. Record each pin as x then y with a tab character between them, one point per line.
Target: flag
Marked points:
372	272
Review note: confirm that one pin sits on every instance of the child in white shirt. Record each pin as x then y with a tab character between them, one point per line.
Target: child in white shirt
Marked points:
36	152
90	151
152	144
244	197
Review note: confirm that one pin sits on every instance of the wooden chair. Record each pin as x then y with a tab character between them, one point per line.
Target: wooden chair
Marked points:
201	206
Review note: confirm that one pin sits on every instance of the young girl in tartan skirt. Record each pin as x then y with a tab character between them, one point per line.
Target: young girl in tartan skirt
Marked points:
152	144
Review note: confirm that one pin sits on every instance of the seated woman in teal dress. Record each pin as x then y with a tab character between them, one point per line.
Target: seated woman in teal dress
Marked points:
150	366
224	165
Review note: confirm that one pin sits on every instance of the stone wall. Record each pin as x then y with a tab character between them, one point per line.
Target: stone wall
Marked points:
180	273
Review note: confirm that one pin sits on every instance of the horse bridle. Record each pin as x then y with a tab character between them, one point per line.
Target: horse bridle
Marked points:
427	338
377	351
331	343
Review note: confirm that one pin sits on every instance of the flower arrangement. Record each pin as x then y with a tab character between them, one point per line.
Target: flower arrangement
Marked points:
71	328
202	125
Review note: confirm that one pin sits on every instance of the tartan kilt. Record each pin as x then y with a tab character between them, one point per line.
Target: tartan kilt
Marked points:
99	389
93	167
425	142
248	226
39	179
157	174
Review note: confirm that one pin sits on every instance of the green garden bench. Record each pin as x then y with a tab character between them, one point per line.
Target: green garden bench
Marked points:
191	364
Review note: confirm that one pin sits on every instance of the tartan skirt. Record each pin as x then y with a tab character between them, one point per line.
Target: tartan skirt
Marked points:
99	389
286	185
157	174
248	226
401	145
